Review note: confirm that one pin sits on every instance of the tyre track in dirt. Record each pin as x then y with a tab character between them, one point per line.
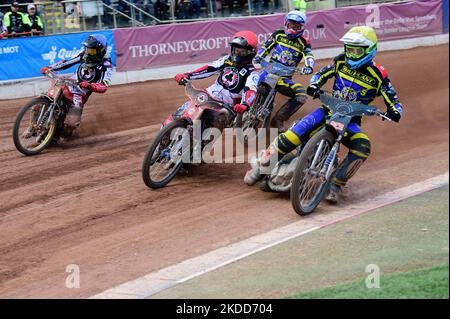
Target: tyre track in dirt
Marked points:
85	203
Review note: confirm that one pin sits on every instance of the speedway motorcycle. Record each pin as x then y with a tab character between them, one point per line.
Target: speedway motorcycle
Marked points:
318	161
41	120
179	139
258	116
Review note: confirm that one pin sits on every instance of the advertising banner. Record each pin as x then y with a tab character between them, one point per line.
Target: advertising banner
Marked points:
175	44
24	57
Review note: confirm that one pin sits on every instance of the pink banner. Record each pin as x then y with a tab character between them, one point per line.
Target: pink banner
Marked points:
187	43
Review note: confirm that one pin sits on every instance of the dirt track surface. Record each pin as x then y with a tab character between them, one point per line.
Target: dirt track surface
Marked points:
85	203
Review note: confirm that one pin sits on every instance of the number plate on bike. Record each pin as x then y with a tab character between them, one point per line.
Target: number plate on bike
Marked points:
338	126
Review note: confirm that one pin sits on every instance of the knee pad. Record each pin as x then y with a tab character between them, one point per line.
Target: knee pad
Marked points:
361	147
286	142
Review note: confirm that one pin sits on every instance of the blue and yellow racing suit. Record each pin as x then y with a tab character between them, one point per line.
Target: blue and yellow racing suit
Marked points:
289	52
362	85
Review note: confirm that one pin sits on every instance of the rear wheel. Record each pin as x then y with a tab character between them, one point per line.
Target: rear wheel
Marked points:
308	187
165	155
34	127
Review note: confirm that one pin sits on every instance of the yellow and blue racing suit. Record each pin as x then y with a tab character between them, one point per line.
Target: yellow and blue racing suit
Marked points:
362	85
289	52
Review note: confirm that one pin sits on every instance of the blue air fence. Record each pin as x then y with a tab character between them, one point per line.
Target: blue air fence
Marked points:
24	57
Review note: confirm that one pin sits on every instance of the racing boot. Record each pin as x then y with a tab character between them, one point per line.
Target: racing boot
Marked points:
31	130
261	163
73	117
333	193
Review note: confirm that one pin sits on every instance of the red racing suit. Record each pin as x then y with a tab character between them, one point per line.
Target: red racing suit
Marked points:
98	76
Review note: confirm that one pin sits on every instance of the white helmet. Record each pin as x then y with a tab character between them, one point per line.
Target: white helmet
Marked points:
360	44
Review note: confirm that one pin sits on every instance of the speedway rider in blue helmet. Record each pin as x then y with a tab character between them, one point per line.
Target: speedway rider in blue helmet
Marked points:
289	46
93	74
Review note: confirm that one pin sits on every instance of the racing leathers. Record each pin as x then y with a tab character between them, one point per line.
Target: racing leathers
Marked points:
362	85
90	79
289	52
234	85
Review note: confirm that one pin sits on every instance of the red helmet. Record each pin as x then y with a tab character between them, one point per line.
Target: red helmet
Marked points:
243	47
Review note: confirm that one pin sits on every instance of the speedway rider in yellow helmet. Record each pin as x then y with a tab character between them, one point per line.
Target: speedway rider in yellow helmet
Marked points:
356	78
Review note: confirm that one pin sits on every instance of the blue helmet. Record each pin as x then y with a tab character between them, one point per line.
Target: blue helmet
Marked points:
294	24
94	49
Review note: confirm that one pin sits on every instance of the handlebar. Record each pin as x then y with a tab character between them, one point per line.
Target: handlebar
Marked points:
184	82
264	64
382	115
366	109
60	80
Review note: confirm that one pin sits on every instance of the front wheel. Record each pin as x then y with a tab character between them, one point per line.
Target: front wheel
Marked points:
252	121
166	154
308	186
34	127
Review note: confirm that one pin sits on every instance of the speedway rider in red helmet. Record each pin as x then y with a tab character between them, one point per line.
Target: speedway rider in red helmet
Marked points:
237	80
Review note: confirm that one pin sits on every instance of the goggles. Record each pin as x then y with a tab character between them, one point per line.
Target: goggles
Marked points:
354	52
241	51
91	51
295	26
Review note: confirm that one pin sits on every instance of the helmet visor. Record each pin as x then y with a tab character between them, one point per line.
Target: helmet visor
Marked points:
236	51
91	51
354	52
294	27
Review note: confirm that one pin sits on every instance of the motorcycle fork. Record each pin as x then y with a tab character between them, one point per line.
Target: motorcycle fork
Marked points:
327	168
265	109
45	115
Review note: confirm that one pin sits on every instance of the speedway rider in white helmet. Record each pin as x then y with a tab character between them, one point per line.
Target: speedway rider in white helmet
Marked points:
356	78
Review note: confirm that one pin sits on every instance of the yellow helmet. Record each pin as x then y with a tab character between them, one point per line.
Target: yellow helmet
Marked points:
360	45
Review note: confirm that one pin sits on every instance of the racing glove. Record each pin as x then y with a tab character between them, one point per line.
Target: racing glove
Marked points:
85	85
240	108
257	59
313	90
98	87
94	87
44	69
393	115
307	70
180	77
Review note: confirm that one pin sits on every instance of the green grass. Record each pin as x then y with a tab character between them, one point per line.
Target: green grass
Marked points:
430	283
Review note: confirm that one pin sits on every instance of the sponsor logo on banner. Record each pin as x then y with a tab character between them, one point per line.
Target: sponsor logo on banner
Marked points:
64	54
61	54
9	50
